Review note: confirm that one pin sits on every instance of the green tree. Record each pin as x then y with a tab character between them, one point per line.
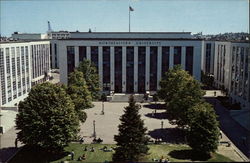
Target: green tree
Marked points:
91	77
79	93
180	91
47	118
131	140
203	134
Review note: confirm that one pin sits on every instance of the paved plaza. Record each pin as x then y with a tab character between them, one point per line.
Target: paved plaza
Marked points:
106	126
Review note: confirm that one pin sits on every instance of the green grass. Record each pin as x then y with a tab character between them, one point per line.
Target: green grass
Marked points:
175	153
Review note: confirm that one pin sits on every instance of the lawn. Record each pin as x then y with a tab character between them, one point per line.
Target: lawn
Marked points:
175	153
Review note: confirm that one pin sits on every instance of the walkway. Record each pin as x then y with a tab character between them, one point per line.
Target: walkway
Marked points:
230	127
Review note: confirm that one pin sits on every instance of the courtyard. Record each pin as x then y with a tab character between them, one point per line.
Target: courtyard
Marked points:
106	126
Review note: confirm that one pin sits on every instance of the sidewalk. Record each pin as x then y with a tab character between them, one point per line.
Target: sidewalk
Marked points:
231	128
231	151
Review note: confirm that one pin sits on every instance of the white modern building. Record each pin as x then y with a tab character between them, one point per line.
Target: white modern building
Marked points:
239	86
229	63
22	65
131	62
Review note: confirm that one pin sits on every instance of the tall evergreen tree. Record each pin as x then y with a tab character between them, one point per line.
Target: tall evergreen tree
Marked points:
131	140
203	134
91	77
79	93
46	118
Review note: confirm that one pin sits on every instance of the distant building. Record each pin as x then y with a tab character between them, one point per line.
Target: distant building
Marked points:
59	35
29	36
22	65
130	62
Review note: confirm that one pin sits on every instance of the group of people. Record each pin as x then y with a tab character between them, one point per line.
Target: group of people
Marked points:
99	140
162	160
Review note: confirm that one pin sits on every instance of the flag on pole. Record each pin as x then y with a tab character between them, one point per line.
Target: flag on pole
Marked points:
130	8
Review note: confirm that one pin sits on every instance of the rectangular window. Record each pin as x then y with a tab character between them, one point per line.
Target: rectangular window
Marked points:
153	68
177	55
2	77
118	69
189	59
165	60
208	58
82	53
130	70
106	68
94	56
141	69
70	58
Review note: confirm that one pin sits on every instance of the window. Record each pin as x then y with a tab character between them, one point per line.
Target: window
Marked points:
70	58
118	69
106	68
177	55
153	68
141	69
165	60
130	70
189	59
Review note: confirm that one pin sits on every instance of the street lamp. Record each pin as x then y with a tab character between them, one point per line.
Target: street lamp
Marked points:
102	107
161	124
94	133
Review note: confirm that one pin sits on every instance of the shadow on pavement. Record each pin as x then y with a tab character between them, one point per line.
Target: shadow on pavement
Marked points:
188	154
155	106
169	135
163	115
6	153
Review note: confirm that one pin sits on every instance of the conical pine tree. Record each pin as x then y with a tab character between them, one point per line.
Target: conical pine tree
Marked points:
131	140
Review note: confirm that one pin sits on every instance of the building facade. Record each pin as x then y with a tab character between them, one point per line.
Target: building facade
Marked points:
239	87
230	69
22	65
130	62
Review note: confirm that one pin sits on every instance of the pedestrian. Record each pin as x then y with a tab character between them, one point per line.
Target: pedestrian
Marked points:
16	141
72	155
221	134
214	93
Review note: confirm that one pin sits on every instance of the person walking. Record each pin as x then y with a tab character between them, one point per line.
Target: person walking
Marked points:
72	155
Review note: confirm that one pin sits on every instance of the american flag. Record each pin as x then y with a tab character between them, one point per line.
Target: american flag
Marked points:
130	8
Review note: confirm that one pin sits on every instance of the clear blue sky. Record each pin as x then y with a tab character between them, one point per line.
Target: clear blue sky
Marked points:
208	16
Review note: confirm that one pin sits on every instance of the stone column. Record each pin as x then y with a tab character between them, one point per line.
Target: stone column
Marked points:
159	63
147	82
76	56
135	69
183	57
88	53
112	68
171	57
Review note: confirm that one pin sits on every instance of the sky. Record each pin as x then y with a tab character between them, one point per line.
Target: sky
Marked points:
207	16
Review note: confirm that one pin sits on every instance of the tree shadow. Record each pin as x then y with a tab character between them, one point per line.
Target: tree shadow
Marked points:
169	135
162	115
31	154
155	106
188	154
6	153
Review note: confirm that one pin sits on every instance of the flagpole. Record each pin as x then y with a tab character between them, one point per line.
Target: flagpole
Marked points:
129	20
